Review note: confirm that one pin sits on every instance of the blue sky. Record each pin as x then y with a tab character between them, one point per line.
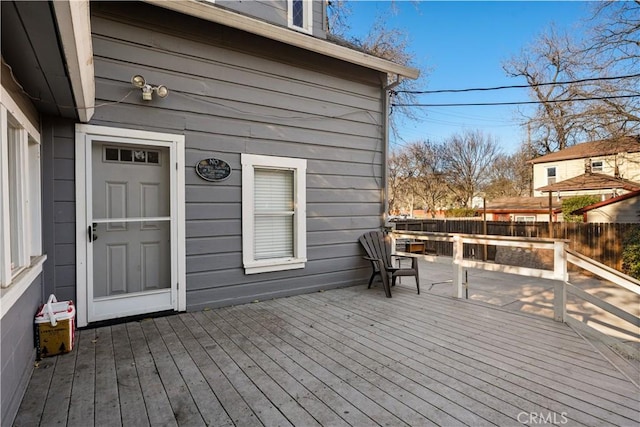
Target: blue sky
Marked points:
462	45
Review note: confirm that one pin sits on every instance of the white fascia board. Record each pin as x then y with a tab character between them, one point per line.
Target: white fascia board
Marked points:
211	12
74	25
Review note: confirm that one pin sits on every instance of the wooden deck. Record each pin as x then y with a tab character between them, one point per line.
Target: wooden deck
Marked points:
336	358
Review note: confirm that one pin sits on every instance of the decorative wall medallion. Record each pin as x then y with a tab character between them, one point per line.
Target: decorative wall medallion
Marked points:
213	169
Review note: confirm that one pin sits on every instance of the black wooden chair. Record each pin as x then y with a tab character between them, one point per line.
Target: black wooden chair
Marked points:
378	247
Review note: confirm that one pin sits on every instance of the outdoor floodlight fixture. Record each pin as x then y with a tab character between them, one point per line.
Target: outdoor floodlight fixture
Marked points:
147	90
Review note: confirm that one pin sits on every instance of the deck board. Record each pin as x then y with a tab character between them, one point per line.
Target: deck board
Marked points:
533	357
477	349
238	412
244	339
56	408
155	396
132	406
81	407
444	392
336	358
35	397
107	400
266	412
182	403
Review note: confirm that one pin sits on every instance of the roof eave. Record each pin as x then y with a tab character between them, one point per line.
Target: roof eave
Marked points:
74	26
212	13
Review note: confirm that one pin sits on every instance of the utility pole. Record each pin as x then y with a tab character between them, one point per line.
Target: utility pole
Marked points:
551	214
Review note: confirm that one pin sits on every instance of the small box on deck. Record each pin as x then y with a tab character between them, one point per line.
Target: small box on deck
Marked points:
55	327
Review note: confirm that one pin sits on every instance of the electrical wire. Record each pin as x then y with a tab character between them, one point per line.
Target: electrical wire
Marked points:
594	79
481	104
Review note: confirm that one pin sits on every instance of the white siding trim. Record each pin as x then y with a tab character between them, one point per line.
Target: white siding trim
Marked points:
5	224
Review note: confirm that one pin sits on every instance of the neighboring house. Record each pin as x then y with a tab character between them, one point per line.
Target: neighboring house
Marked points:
522	209
620	209
596	184
589	164
252	179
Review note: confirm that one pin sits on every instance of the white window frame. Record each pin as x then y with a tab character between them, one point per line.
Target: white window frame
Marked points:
27	231
555	174
307	16
525	218
599	168
299	166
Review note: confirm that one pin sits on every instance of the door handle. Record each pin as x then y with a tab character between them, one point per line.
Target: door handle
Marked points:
91	231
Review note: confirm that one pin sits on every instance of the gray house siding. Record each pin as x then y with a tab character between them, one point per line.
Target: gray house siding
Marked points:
58	207
17	350
233	93
275	12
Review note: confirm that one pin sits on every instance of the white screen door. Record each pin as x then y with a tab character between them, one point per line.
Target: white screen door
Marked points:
130	228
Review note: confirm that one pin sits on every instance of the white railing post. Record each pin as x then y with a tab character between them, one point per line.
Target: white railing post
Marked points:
458	247
560	273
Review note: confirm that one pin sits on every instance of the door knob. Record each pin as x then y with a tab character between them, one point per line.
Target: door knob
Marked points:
92	233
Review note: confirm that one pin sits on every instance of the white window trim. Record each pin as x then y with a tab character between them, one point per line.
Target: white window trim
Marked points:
548	177
598	168
30	258
299	167
307	26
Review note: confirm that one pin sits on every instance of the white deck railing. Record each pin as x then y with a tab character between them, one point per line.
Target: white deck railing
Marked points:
562	256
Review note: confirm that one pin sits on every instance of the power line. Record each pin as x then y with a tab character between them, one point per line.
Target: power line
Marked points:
480	104
594	79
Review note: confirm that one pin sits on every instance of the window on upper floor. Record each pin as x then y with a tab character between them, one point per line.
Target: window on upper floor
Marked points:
551	175
300	15
273	213
596	166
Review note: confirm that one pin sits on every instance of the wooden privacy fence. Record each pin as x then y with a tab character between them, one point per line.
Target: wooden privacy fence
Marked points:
599	241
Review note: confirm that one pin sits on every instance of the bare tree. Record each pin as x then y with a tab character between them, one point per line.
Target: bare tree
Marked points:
468	159
382	41
511	175
613	49
574	110
430	183
549	59
402	173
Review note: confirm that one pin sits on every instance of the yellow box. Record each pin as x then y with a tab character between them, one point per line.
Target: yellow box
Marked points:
55	327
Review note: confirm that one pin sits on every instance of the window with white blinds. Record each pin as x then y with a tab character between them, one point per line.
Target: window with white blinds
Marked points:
273	213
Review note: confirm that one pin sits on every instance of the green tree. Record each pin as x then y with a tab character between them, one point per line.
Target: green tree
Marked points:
631	253
570	204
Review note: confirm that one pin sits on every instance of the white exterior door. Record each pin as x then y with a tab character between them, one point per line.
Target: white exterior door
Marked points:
131	252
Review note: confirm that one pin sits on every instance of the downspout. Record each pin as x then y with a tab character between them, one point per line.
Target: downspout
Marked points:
386	107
